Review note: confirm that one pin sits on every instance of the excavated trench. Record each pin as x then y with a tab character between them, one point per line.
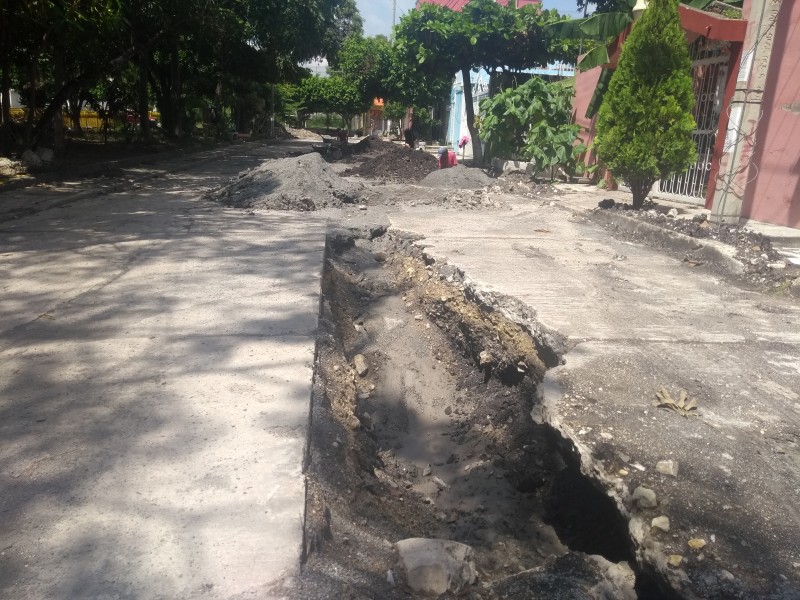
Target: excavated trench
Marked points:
421	427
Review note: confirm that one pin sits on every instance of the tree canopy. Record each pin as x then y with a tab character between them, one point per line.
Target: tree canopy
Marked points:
183	55
438	42
644	128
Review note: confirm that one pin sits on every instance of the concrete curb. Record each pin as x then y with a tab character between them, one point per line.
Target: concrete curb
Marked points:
716	253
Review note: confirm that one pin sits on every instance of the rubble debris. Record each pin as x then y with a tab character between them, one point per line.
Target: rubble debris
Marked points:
302	183
458	177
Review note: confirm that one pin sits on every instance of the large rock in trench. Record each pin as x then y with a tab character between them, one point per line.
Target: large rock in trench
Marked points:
574	576
433	567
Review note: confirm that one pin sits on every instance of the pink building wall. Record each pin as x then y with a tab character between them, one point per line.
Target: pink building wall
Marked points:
773	194
585	84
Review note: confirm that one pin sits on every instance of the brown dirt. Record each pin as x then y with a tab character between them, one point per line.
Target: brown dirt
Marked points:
394	163
427	408
764	267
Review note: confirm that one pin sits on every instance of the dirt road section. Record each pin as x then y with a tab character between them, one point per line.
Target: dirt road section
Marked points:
156	372
634	321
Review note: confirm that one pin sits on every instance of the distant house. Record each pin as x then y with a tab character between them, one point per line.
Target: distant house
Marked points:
747	88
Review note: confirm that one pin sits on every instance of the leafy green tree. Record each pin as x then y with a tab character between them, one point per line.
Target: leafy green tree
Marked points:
532	121
333	94
644	129
347	23
395	111
484	34
602	6
366	63
189	55
345	98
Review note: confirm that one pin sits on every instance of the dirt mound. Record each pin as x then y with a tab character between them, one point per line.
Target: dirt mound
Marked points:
302	134
762	263
300	183
458	177
393	162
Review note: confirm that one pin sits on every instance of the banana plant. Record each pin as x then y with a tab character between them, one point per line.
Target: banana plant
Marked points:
599	27
603	27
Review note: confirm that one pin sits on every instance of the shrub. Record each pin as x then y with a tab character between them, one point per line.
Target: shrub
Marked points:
532	121
644	128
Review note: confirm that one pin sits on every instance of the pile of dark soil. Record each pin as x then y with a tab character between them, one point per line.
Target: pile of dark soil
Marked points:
392	162
762	263
301	183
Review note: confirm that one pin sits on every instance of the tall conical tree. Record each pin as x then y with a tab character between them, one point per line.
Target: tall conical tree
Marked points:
644	129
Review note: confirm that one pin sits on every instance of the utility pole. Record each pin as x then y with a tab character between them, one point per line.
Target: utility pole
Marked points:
394	15
745	114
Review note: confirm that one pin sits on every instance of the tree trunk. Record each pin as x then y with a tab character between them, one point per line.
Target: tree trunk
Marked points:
5	129
82	81
75	106
143	96
31	104
640	189
59	71
477	157
5	79
175	87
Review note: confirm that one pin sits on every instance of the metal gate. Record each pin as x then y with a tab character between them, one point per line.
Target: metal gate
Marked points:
710	70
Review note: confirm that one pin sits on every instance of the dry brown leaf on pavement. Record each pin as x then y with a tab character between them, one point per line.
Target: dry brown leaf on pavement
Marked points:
684	406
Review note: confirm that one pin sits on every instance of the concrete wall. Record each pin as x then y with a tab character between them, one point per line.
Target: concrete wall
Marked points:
773	194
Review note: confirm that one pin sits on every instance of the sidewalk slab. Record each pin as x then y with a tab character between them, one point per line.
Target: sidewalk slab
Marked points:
155	384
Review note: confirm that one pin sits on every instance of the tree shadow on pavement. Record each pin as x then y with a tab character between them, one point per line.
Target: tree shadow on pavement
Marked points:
154	391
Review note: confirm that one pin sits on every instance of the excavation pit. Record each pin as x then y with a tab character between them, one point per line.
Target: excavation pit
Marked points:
421	428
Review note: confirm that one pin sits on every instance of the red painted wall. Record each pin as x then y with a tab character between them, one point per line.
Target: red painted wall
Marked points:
458	4
773	194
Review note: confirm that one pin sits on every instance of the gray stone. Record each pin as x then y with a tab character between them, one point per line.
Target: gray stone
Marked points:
439	483
645	497
667	467
31	159
434	567
661	523
377	230
46	154
606	203
340	239
794	289
361	365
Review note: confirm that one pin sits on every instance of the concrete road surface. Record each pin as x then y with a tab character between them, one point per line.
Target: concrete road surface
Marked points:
155	370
